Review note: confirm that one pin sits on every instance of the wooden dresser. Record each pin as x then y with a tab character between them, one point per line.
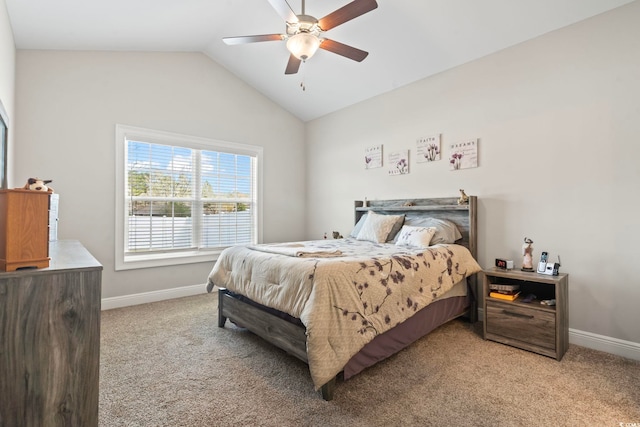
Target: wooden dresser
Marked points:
50	341
24	229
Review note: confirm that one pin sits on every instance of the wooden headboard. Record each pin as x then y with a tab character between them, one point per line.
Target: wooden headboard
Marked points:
464	216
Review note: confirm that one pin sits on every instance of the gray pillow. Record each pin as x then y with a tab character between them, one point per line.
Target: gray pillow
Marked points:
396	228
358	226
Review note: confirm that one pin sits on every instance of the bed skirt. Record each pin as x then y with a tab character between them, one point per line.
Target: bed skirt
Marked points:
407	332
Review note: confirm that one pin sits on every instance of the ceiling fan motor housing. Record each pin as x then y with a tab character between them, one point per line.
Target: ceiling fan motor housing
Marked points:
305	24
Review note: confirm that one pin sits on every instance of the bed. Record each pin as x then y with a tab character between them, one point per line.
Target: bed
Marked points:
342	305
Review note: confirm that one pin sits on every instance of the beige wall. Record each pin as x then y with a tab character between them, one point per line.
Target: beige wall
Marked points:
7	76
67	107
558	120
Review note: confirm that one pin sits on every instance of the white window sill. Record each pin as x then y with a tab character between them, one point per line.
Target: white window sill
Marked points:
132	262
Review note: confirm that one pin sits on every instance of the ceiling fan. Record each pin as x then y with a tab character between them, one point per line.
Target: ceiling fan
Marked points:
304	32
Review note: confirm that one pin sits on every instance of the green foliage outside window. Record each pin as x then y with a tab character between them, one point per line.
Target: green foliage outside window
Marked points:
163	185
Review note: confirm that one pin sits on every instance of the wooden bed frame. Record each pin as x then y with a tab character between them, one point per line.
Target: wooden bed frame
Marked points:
289	334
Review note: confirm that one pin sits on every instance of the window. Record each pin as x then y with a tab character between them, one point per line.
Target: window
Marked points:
182	199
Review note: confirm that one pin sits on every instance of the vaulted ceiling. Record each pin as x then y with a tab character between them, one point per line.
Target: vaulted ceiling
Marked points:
407	40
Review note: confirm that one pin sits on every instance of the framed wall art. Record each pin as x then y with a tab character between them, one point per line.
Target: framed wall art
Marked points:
463	155
399	162
373	157
428	149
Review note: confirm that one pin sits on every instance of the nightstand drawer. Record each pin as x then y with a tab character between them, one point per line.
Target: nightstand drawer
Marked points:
524	324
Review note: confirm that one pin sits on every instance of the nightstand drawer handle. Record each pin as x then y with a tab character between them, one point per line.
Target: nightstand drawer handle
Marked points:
511	313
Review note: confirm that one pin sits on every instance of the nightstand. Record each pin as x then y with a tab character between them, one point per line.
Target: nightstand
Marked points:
530	326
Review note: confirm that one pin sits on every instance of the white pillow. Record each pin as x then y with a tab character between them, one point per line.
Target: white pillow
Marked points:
446	231
376	227
418	237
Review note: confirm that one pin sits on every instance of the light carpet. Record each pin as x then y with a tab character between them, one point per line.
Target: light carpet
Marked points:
168	364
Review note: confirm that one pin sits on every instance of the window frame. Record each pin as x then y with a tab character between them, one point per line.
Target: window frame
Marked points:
127	261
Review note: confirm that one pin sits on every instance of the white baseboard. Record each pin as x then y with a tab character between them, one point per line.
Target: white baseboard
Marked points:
628	349
146	297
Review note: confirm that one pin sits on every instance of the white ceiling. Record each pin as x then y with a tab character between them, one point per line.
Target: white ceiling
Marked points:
407	40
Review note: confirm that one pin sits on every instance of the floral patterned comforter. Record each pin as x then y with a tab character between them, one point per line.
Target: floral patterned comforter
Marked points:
346	300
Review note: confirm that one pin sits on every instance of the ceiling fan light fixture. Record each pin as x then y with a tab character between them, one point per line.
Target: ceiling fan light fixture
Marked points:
304	33
303	45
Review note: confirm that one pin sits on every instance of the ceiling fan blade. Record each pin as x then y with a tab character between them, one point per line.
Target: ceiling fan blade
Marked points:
346	13
293	65
253	39
344	50
284	10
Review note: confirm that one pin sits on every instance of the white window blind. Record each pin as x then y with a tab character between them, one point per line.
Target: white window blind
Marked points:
182	197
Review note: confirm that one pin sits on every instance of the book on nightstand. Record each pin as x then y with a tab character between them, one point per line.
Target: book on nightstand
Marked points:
505	296
504	287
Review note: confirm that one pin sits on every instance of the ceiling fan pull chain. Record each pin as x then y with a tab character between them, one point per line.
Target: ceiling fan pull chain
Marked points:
303	75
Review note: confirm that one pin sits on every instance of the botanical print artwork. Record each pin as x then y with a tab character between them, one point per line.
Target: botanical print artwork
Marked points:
373	157
463	155
456	160
399	163
428	149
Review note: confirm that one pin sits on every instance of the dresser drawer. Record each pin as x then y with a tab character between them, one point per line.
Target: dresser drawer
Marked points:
533	326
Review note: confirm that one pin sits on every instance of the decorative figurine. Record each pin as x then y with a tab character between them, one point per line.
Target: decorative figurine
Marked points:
38	184
527	251
464	199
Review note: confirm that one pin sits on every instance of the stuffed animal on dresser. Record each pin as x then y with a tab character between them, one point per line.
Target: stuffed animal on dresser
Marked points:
38	184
